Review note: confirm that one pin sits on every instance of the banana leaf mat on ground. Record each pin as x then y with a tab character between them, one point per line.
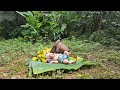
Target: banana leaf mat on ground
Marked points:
38	64
37	67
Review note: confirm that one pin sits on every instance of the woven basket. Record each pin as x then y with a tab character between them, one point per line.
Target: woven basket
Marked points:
59	47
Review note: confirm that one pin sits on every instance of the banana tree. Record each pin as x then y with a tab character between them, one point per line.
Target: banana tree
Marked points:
55	27
31	28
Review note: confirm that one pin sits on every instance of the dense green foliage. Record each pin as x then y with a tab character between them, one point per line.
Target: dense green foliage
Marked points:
40	25
98	26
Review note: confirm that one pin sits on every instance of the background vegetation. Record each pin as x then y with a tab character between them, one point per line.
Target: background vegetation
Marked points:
98	26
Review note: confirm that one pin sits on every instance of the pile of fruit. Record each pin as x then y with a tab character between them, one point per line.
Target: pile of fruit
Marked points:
41	55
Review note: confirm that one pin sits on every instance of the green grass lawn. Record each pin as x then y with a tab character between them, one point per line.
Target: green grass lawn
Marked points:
15	52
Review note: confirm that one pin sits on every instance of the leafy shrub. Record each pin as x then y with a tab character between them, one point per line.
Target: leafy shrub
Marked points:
40	25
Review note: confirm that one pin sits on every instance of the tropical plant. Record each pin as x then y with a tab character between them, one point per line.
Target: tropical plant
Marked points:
31	28
40	24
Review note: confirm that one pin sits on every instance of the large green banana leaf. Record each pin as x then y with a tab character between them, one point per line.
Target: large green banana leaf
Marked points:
37	67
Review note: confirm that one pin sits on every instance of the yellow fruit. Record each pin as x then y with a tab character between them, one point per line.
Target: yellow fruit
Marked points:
43	60
45	48
39	52
39	56
72	58
34	58
44	52
48	50
79	58
43	56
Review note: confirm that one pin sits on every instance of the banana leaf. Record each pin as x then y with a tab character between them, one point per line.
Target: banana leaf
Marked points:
37	67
